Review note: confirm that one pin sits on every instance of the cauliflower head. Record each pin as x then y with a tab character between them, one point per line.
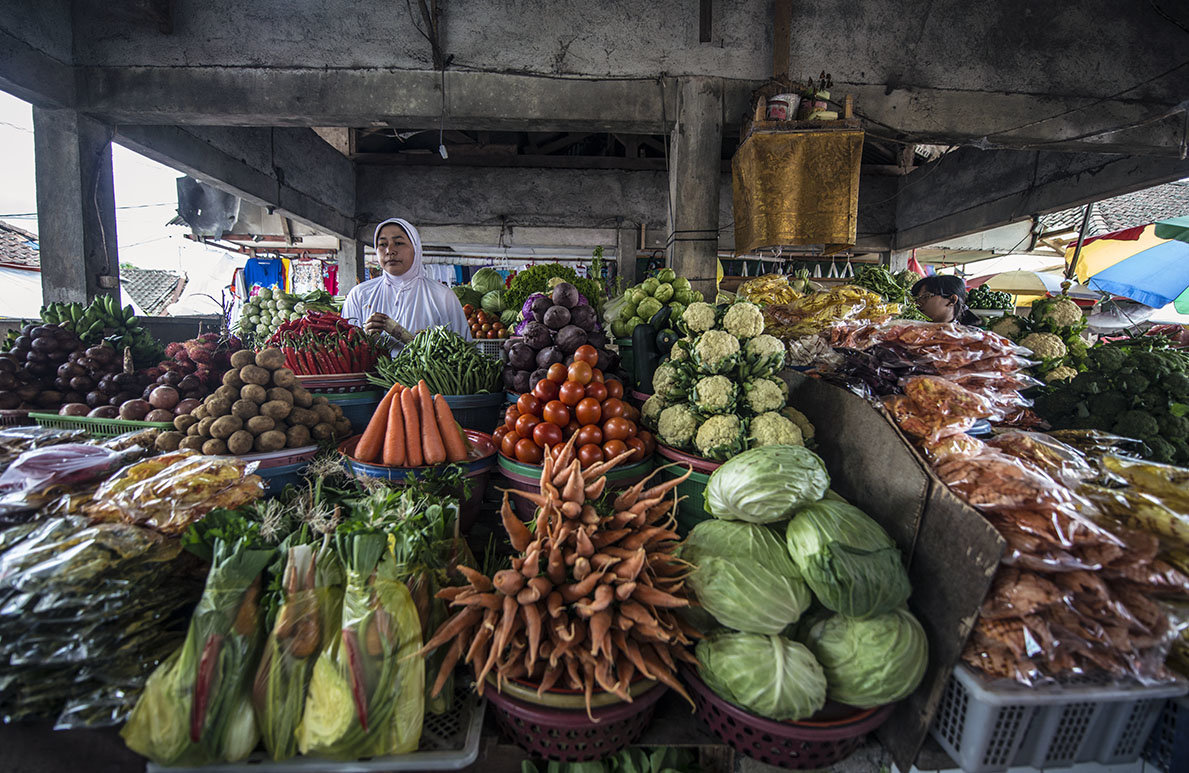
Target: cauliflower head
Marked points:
772	429
1010	326
698	317
763	395
743	320
1059	313
1059	373
1044	345
681	349
714	395
764	355
720	437
677	425
801	420
716	351
650	412
669	382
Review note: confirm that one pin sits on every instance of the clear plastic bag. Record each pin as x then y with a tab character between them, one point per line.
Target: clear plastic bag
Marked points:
1059	461
44	473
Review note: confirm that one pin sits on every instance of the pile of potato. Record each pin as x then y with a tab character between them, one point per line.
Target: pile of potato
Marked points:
259	408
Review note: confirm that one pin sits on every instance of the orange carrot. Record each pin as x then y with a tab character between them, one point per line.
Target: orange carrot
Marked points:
372	442
431	438
408	404
456	450
394	437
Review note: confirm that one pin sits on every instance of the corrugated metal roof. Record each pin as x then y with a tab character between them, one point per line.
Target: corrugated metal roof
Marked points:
18	248
152	289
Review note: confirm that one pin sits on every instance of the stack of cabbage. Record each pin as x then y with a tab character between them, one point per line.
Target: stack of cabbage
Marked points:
486	292
720	392
774	547
639	304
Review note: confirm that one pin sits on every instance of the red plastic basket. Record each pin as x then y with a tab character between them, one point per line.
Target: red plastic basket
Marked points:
789	745
570	736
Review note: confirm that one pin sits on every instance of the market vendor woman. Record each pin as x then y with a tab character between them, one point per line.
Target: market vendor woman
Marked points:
403	300
943	299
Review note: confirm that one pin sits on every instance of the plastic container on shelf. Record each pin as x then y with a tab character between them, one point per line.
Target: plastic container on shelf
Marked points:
527	477
491	347
1168	746
336	383
358	407
691	511
477	470
568	735
15	417
96	427
991	727
482	412
790	745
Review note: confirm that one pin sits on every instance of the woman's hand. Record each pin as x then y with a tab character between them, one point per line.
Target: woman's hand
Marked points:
382	323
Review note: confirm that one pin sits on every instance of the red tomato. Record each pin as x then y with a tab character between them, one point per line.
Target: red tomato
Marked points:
633	427
581	372
468	309
529	403
613	407
569	430
597	391
555	451
616	428
588	354
615	389
588	411
637	445
571	393
547	435
556	412
557	372
528	452
589	454
510	417
498	435
597	375
631	412
649	440
525	424
613	448
545	390
508	444
590	435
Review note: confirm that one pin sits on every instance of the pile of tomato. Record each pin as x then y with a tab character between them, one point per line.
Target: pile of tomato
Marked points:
571	400
484	324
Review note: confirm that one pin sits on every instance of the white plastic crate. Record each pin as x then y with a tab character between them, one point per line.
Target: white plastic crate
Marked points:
1168	746
491	347
988	729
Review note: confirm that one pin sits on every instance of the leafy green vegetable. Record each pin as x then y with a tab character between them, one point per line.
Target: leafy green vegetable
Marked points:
744	576
848	560
870	662
487	279
493	302
765	485
767	675
535	279
468	295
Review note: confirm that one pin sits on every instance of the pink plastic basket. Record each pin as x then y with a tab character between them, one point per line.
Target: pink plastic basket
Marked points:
789	745
570	736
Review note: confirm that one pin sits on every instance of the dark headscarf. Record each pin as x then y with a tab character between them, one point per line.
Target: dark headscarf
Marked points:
948	286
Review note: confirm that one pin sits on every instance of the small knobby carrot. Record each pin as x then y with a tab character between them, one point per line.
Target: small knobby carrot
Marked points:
478	643
432	450
455	626
447	668
549	679
532	619
475	577
456	449
372	443
408	404
394	437
518	533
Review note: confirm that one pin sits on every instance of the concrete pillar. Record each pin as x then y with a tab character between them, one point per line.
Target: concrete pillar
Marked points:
898	260
76	206
625	253
348	268
694	175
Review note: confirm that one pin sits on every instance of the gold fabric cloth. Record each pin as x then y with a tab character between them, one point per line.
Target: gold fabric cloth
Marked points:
797	187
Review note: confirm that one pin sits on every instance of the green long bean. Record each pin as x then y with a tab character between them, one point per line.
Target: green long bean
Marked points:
449	364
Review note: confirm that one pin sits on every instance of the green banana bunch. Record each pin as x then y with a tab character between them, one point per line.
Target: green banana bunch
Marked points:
104	320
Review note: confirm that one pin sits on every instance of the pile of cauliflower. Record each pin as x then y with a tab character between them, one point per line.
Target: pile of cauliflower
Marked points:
720	393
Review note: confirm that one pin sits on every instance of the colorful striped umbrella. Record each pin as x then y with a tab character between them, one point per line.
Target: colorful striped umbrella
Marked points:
1137	264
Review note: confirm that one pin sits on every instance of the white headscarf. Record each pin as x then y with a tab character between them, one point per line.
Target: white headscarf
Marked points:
413	299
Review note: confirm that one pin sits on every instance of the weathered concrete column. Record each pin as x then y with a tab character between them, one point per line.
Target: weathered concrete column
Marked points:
350	264
898	260
694	175
625	253
76	206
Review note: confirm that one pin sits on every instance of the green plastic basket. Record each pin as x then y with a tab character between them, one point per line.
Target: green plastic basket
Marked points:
96	427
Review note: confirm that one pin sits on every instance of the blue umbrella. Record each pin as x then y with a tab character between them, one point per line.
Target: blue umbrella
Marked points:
1155	276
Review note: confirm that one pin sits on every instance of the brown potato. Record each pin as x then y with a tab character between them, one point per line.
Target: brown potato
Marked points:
338	410
279	393
228	393
214	447
231	378
243	357
270	358
260	424
204	426
302	397
303	416
325	414
218	407
192	430
321	400
255	393
270	441
240	442
254	374
283	426
283	377
200	412
342	427
245	409
169	441
277	409
323	431
184	422
297	436
194	443
225	426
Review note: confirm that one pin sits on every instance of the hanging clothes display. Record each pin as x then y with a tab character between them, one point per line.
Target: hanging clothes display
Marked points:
330	278
264	272
307	276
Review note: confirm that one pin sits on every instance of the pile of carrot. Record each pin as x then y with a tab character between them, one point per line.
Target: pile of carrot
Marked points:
412	428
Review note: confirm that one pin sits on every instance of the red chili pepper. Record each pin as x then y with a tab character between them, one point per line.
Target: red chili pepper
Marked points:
202	685
345	355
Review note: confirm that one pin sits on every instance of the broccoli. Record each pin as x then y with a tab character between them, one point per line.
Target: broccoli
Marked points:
1182	450
715	394
771	429
1151	364
1176	385
1108	359
1151	400
1160	450
1089	383
743	320
1108	405
1136	424
1174	427
1054	404
1133	382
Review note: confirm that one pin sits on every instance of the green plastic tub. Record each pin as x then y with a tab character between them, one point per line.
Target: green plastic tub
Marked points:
691	510
527	477
100	428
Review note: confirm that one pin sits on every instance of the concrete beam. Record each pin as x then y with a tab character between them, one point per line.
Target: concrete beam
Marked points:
76	206
971	190
694	183
291	170
35	53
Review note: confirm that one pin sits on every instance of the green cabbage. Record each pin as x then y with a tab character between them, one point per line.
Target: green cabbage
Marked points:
487	279
870	662
766	675
468	295
744	576
493	302
766	484
848	560
646	308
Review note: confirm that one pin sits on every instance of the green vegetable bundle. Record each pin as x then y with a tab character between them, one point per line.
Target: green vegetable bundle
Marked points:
983	298
450	365
879	279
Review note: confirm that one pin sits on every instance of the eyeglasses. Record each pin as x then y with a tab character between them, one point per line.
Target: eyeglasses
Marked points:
920	299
